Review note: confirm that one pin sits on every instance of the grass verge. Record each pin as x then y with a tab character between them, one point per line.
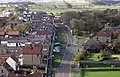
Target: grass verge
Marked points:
80	38
57	59
61	36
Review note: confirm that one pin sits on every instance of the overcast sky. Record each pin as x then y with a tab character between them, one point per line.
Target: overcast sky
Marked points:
24	0
36	0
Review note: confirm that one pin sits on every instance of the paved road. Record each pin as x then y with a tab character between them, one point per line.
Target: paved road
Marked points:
65	67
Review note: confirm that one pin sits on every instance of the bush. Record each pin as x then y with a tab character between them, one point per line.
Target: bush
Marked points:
79	55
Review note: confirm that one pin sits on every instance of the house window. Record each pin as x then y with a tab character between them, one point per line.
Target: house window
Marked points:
1	71
37	55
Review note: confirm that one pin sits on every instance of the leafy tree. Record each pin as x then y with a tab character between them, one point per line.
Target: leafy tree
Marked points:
77	26
7	28
67	16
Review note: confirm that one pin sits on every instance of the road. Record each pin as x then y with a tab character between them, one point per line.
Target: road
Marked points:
65	67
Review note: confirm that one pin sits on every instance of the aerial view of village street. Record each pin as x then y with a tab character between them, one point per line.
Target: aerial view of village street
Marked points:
59	38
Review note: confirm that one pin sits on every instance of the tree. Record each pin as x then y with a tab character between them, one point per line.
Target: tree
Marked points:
7	28
22	27
117	43
12	18
67	16
77	26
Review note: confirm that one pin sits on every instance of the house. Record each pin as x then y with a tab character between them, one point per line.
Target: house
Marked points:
35	74
32	55
7	64
9	68
45	50
3	71
2	33
13	33
12	61
105	35
14	23
7	51
92	45
46	33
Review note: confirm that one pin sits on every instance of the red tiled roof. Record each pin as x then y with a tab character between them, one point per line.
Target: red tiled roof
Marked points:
28	75
1	29
117	31
2	33
106	33
32	50
14	33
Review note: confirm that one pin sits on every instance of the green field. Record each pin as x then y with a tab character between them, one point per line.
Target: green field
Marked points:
102	74
97	74
50	8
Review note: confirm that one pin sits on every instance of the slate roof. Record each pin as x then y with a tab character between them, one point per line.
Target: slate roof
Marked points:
93	44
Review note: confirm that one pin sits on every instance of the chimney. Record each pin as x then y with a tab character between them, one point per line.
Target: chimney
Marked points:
32	46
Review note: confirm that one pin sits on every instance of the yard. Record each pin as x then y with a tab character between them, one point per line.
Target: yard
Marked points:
97	74
80	38
102	74
95	57
118	56
57	59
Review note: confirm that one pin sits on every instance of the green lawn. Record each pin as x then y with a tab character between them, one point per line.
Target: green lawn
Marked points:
61	36
94	57
97	74
57	59
116	56
102	74
76	74
80	38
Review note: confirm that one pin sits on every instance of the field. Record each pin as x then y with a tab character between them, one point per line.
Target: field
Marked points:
102	74
97	74
51	8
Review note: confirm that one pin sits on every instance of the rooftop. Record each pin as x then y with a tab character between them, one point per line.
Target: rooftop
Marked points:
36	74
32	50
13	33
